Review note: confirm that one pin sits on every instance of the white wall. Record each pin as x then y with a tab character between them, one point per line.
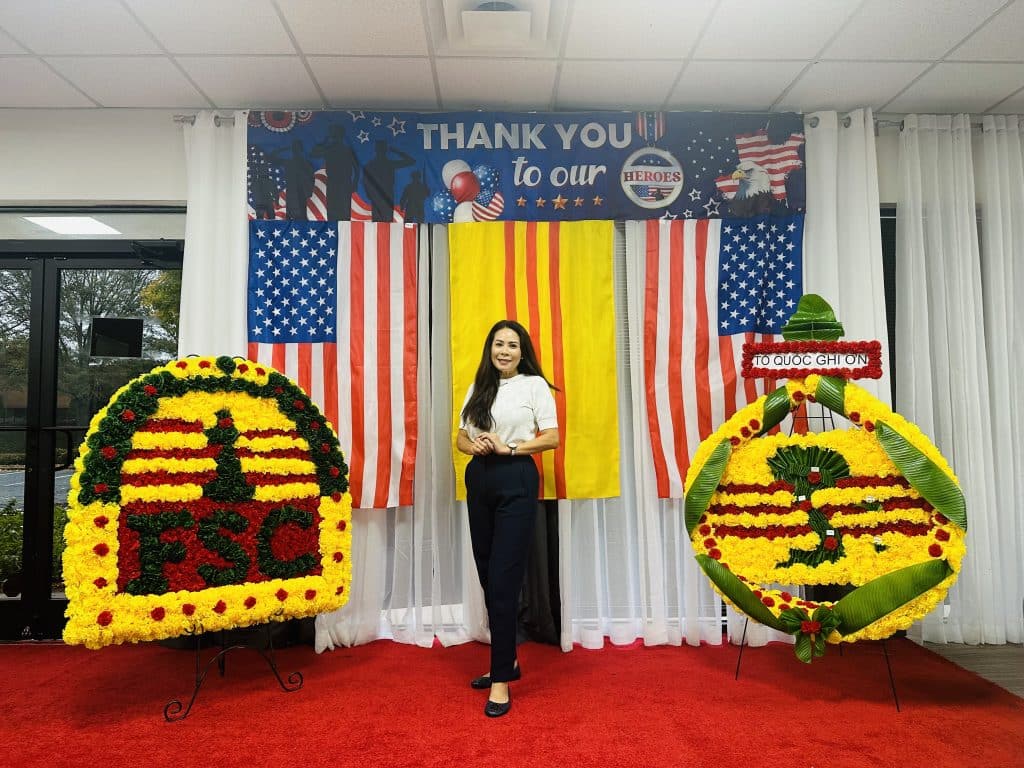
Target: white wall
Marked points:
90	156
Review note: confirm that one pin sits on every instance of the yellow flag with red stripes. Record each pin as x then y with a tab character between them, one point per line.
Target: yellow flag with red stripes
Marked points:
555	278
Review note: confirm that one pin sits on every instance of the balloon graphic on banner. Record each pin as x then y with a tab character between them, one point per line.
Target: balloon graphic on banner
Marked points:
471	194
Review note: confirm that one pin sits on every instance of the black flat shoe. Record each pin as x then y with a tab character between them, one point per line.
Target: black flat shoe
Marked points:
494	709
484	681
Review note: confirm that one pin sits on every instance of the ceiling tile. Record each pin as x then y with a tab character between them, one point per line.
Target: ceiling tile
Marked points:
7	45
1012	106
392	83
253	81
503	84
795	29
29	83
846	85
999	40
960	88
226	26
729	85
54	27
651	29
909	29
346	27
130	81
615	84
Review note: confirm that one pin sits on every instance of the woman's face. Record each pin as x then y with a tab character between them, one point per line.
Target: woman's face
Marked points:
506	352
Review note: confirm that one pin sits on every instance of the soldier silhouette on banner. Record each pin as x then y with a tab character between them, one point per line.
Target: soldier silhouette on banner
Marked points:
413	197
262	189
343	170
298	179
379	180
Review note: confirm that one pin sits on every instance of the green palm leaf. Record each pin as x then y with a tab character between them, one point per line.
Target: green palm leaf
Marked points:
927	479
831	393
776	406
738	592
881	596
699	495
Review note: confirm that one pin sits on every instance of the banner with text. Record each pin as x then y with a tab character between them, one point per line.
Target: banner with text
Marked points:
445	167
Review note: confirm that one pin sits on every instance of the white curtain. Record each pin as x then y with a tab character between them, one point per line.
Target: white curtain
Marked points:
951	325
216	237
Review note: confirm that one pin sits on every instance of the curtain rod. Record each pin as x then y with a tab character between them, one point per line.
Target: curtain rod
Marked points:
218	120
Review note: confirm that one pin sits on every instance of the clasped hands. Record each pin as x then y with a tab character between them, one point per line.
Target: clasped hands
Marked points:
487	443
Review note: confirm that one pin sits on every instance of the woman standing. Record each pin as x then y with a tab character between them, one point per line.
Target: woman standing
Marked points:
508	415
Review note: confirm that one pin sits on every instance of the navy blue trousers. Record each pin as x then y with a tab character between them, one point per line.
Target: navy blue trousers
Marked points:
501	493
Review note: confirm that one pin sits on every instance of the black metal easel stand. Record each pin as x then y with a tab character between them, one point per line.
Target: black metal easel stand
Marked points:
885	651
175	710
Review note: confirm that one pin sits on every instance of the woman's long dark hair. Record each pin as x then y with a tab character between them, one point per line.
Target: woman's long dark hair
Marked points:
485	386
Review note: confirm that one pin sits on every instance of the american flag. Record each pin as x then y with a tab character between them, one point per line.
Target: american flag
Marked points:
778	160
333	307
710	286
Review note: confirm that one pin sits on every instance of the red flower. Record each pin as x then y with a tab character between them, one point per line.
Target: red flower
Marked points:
225	423
278	390
784	607
314	425
786	596
335	496
941	519
182	364
335	471
204	363
942	535
149	389
250	601
188	609
325	447
935	550
714	554
108	451
220	607
281	595
854	416
260	372
101	549
242	368
105	618
869	426
339	590
798	396
755	424
100	488
768	601
299	405
339	556
831	542
734	440
810	627
745	432
157	613
342	525
100	582
814	477
704	530
128	415
812	398
758	593
709	543
100	521
310	594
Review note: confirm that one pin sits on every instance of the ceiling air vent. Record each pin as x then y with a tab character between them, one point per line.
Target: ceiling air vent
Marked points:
496	25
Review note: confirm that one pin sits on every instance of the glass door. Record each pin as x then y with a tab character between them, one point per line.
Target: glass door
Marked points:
74	328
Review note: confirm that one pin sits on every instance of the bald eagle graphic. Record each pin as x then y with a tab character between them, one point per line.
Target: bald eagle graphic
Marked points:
753	195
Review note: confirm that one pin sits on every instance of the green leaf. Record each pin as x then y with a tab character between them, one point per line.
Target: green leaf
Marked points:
813	319
699	495
927	479
803	648
792	619
738	592
776	407
867	604
831	393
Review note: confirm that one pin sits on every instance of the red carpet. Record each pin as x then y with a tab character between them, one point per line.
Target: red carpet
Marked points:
396	705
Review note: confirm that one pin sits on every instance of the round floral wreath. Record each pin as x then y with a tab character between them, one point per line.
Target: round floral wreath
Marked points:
903	507
232	454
